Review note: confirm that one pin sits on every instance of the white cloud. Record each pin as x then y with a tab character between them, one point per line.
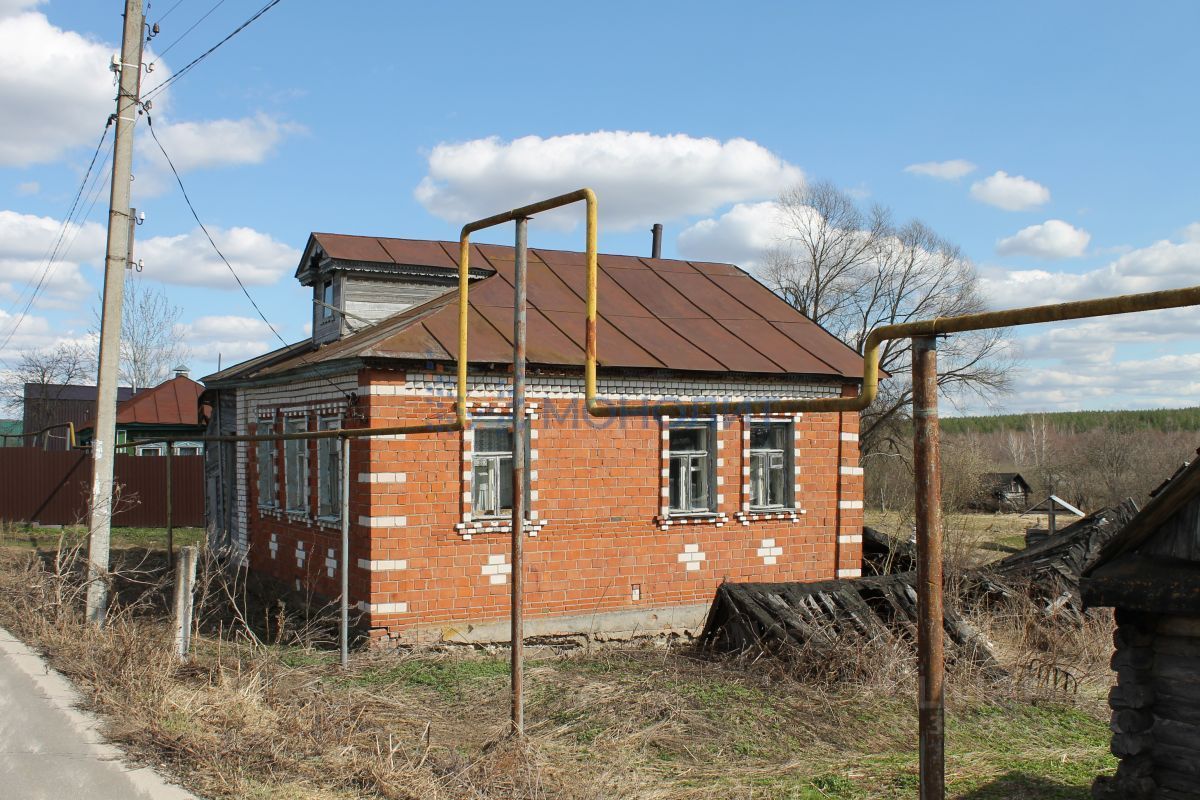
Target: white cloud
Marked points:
740	236
1162	265
218	142
639	177
28	188
9	8
1010	192
56	82
188	259
1153	381
942	170
235	338
1051	239
26	241
35	332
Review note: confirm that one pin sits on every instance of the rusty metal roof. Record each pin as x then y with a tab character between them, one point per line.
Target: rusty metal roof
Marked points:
172	402
653	314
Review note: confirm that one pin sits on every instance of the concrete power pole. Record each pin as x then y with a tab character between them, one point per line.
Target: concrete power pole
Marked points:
129	72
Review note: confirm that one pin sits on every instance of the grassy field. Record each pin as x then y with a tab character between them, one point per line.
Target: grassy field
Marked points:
985	536
269	716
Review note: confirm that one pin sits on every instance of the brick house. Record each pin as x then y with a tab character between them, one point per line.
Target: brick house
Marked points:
633	522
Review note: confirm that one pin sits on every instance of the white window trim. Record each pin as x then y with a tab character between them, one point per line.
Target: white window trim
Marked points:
789	465
711	457
471	523
746	514
273	502
149	450
325	423
199	446
301	449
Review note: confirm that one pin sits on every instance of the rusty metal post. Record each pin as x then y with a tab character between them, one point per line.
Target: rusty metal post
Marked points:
345	632
520	473
170	528
927	461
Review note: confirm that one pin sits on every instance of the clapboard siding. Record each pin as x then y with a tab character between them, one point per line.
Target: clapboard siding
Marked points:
375	299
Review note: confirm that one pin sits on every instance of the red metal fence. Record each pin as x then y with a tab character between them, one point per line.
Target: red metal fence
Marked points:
52	488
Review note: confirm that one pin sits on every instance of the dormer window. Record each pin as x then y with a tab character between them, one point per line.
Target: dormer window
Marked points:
327	299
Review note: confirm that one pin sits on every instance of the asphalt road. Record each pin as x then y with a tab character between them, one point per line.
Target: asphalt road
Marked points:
49	749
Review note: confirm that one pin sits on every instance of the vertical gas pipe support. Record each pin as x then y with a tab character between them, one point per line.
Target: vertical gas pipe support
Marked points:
927	460
520	476
345	641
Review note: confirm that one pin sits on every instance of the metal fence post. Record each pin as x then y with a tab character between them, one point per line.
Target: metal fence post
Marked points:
185	580
520	269
170	527
345	633
927	460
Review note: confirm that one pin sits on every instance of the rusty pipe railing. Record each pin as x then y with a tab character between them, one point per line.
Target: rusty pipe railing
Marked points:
1107	306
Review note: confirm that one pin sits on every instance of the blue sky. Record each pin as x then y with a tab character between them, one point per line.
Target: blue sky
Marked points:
331	116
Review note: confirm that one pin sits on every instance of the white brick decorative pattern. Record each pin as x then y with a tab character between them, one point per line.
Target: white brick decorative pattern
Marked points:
850	538
383	522
769	551
854	572
849	437
692	557
851	470
382	477
331	562
273	545
497	570
850	504
300	555
539	386
383	608
382	566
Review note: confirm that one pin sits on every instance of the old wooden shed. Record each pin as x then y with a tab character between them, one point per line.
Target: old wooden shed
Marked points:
1150	574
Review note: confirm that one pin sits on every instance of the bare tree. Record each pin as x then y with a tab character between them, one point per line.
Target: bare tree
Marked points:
51	367
851	272
151	342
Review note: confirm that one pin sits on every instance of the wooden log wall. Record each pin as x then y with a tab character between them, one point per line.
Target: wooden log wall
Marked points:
1155	709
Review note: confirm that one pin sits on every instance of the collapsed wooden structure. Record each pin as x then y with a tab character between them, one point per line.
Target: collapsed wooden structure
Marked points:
1049	571
783	617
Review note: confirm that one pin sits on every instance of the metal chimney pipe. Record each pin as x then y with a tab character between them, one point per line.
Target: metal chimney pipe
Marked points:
656	241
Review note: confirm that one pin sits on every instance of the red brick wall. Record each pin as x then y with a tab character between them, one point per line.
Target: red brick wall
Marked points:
598	492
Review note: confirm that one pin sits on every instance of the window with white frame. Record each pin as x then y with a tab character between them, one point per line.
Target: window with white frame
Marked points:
149	450
329	471
327	300
188	449
692	462
771	471
491	468
267	496
295	465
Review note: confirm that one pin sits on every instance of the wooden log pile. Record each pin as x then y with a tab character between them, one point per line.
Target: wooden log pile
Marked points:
783	617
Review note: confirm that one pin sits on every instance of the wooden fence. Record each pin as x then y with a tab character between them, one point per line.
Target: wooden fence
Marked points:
53	488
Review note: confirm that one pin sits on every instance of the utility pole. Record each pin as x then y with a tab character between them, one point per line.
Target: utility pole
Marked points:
120	216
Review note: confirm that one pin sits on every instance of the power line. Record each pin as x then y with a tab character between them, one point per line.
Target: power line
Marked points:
167	13
57	247
181	36
211	241
176	76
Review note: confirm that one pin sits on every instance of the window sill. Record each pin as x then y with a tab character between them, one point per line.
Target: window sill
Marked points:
717	518
329	522
765	514
496	525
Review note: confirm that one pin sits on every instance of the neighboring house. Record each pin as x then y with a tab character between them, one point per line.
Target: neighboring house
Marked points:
1004	491
50	404
10	433
173	408
633	522
1150	574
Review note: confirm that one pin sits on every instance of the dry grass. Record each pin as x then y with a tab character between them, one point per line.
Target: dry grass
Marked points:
272	716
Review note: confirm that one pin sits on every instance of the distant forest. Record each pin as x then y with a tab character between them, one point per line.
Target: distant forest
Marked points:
1164	420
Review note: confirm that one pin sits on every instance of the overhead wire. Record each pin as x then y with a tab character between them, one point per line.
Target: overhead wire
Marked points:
56	249
183	35
167	13
188	67
188	200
